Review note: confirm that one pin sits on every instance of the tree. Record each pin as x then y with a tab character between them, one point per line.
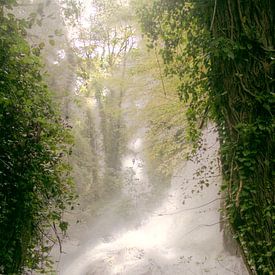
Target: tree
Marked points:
35	186
223	52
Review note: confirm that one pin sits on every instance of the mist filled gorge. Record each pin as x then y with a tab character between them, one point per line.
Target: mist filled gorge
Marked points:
123	151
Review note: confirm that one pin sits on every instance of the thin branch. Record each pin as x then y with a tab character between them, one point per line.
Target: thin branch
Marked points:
231	19
188	209
213	17
243	86
240	14
45	235
201	178
5	163
58	238
206	225
238	194
226	268
160	73
204	117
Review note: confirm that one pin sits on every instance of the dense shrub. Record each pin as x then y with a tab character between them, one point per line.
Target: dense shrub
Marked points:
35	186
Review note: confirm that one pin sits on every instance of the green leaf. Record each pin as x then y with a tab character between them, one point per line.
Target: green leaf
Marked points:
41	45
52	42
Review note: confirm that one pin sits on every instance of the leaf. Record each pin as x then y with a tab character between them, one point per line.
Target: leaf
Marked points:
231	55
41	45
39	22
52	42
33	15
58	32
63	226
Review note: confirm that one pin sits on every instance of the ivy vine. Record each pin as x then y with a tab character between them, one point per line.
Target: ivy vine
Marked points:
223	52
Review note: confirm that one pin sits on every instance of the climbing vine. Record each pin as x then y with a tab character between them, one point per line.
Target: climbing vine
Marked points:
223	53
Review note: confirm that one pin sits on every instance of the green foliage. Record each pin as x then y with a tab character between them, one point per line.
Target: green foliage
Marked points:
243	97
103	38
35	186
101	43
166	145
162	23
223	52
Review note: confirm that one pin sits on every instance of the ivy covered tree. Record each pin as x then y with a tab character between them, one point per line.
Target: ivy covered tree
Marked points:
223	53
35	186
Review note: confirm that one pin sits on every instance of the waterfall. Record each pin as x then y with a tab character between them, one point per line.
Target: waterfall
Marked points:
130	217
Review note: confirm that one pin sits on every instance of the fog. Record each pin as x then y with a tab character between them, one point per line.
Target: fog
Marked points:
130	218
